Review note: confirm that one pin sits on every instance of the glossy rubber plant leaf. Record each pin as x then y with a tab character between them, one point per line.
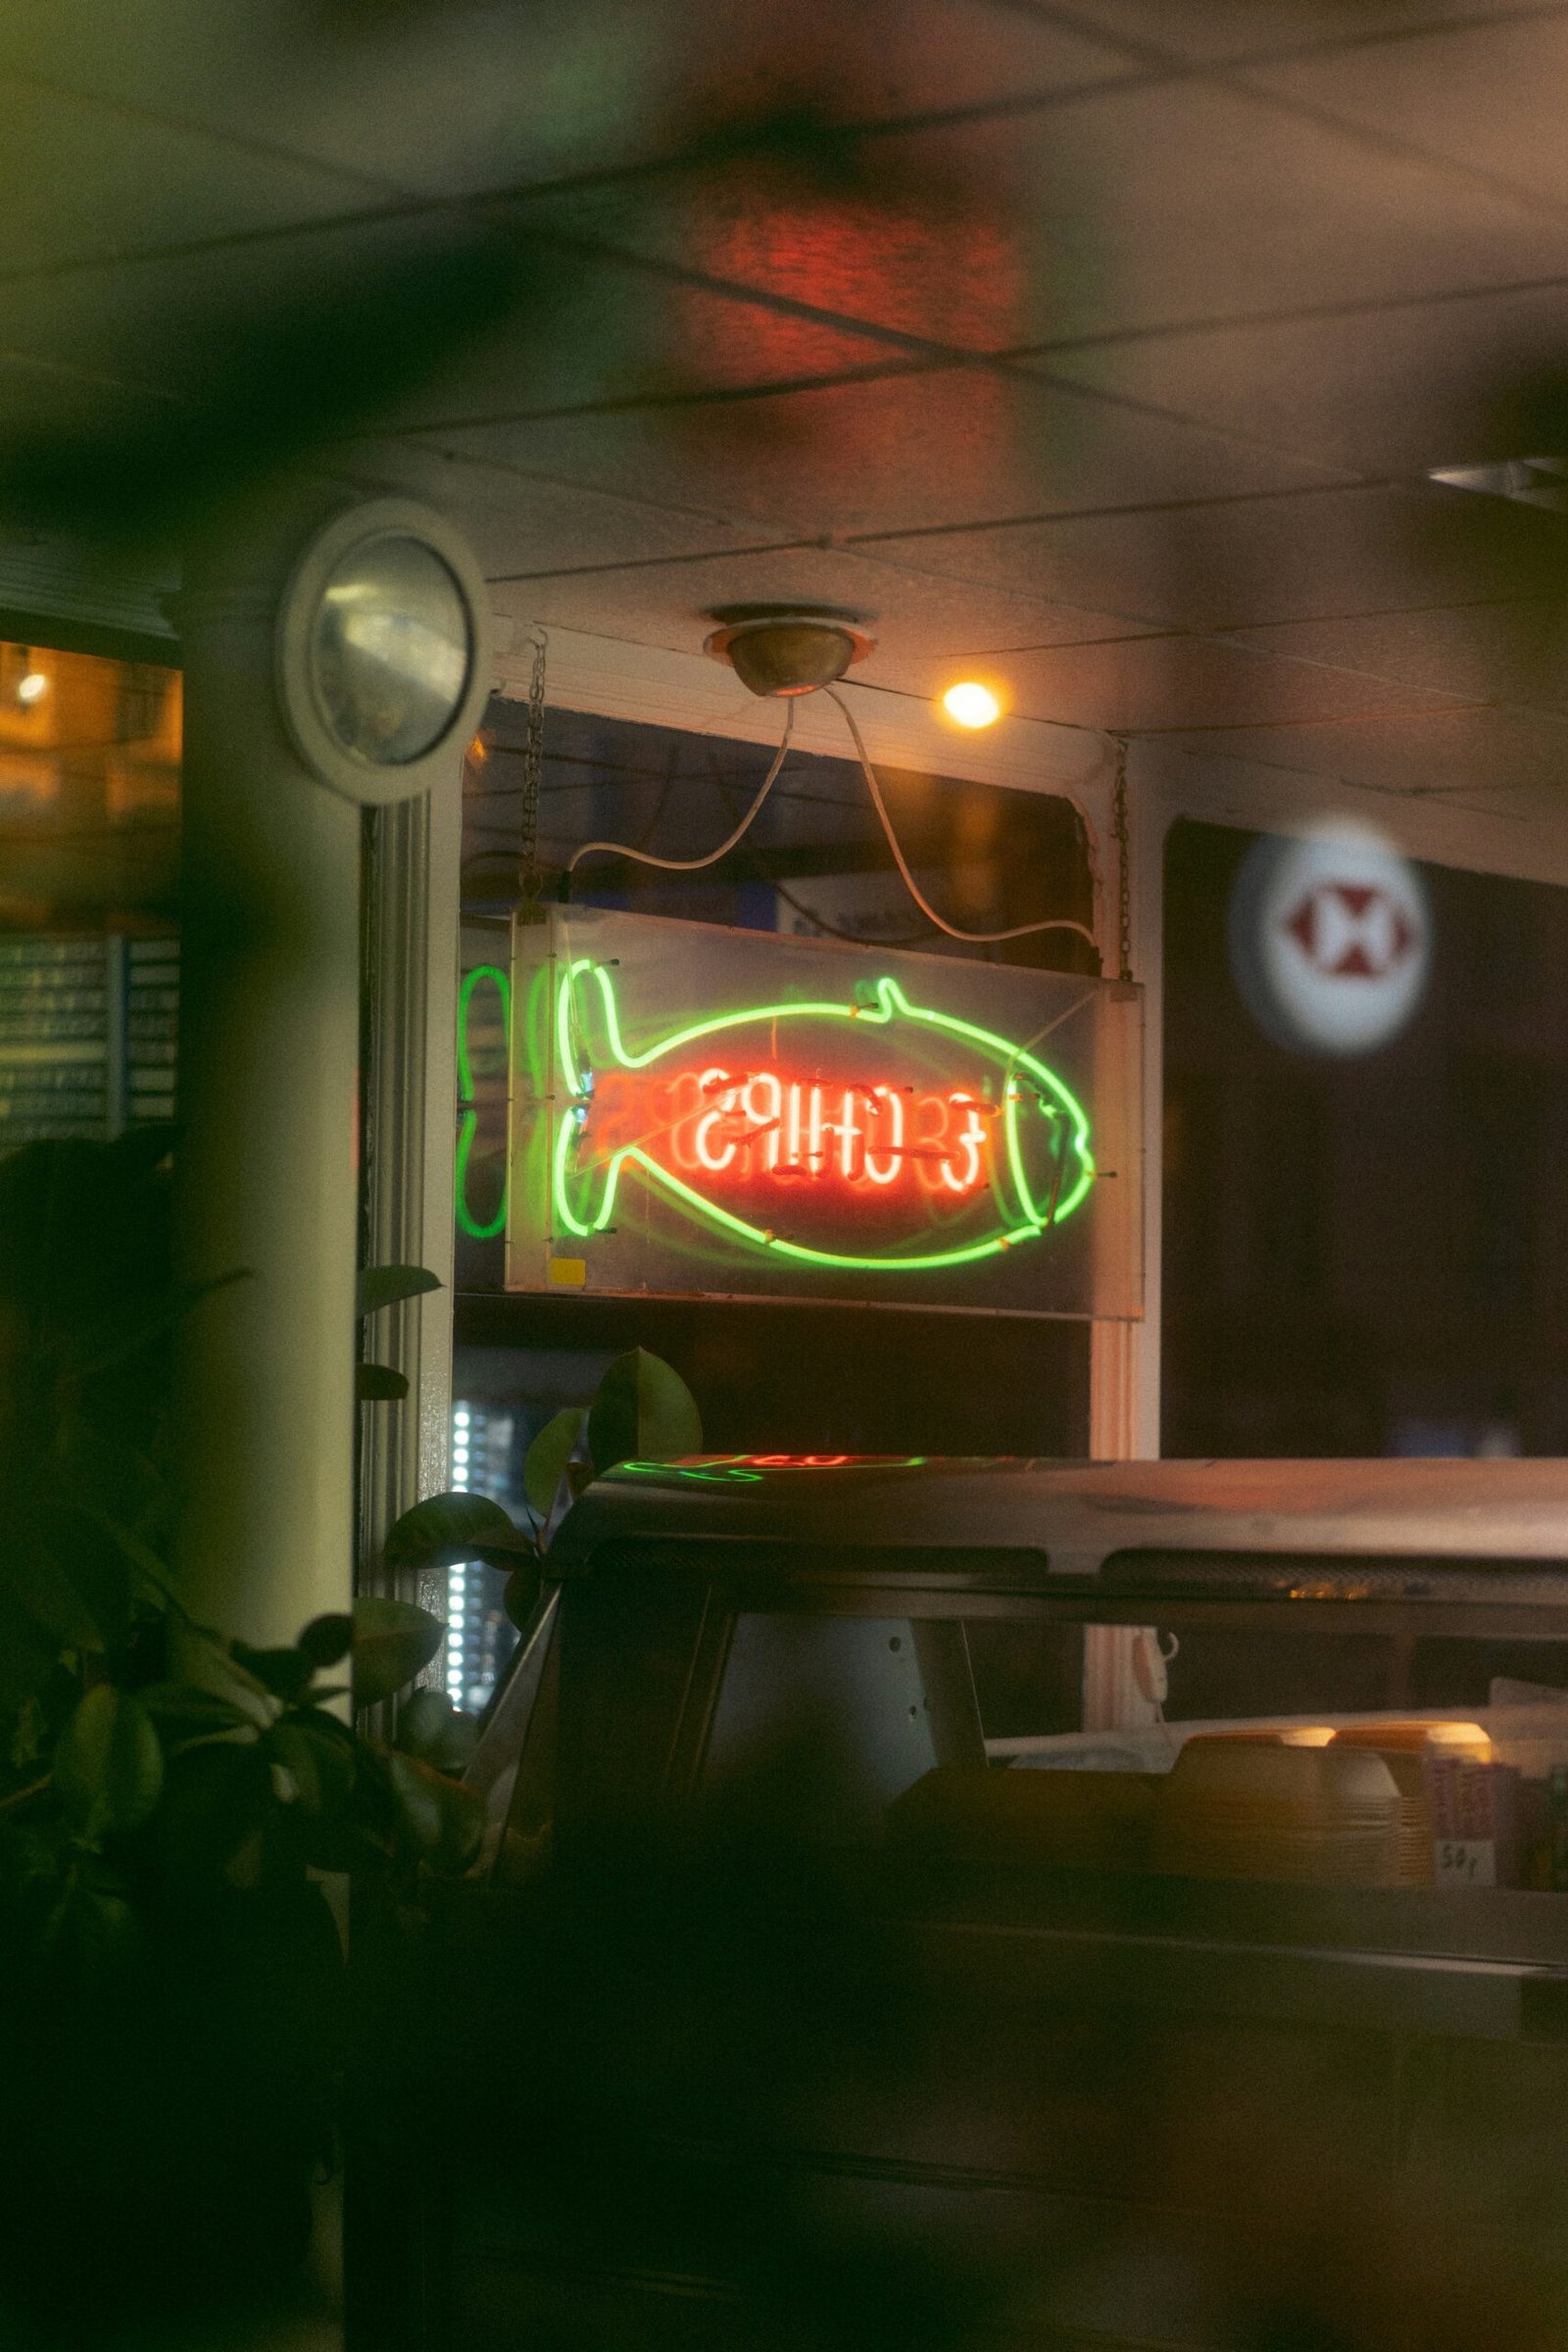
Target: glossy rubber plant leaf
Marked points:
392	1641
643	1411
109	1765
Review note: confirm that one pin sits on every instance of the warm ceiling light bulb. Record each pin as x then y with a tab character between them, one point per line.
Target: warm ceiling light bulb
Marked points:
30	687
972	704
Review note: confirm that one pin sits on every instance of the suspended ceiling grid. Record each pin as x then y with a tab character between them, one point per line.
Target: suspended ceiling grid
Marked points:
1105	347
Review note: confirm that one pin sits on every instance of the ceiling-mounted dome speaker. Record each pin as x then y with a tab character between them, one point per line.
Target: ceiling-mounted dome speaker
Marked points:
788	649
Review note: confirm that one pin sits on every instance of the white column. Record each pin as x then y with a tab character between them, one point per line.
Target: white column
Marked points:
412	922
1124	1357
268	1076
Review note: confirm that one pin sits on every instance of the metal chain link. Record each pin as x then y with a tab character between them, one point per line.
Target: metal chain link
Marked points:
533	756
1118	826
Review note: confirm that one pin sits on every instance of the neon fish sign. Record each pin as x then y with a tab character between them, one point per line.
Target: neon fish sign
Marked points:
873	1134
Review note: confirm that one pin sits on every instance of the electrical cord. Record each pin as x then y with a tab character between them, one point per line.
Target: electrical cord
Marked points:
977	939
692	866
855	939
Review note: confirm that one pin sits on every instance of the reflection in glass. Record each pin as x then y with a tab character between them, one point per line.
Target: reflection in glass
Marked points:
390	650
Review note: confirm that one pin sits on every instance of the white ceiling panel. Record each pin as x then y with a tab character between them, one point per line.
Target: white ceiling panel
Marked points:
1498	652
442	99
1398	388
919	616
519	522
1151	207
80	177
1163	685
1308	557
1459	754
1217	29
453	99
617	335
898	453
1488	97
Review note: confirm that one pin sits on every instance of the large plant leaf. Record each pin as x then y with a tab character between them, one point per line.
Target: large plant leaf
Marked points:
523	1594
385	1286
643	1411
432	1729
319	1754
138	1152
217	1798
102	1473
392	1641
455	1527
109	1765
442	1823
28	1654
284	1672
133	1324
41	1585
327	1639
184	1711
547	1457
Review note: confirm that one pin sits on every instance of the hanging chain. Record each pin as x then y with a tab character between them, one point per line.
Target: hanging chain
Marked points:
1118	826
533	757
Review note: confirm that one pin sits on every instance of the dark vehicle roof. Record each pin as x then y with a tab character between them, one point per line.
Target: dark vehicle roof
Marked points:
1081	1512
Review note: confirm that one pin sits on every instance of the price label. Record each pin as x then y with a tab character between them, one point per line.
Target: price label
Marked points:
1465	1861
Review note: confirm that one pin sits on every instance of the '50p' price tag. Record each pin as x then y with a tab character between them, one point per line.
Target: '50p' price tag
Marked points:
1465	1861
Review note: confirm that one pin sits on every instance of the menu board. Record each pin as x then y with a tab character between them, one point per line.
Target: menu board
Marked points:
88	1035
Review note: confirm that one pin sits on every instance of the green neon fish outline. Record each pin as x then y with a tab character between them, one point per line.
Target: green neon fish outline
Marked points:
889	1003
477	1229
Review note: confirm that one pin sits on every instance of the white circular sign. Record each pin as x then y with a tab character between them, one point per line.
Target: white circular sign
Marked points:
1330	941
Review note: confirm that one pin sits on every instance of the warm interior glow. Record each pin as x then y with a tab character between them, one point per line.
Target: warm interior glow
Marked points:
30	687
972	704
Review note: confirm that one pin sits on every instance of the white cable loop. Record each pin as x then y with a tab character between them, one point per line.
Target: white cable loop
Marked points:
977	939
691	865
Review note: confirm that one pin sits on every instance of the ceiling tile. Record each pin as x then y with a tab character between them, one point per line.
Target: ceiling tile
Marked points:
1485	96
527	524
1459	754
616	334
1172	684
1514	653
79	179
423	99
331	328
1400	389
898	453
455	99
1151	207
1231	28
916	614
1308	555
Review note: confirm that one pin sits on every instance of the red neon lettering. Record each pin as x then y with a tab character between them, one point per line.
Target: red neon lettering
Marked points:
886	1168
751	1126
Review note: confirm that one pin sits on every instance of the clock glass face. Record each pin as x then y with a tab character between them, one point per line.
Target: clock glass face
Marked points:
390	650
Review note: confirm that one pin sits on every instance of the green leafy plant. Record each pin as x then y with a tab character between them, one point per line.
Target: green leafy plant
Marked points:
115	1775
641	1410
174	1803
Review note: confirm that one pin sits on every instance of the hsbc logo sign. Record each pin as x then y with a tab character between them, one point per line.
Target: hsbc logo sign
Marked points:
1353	930
1330	941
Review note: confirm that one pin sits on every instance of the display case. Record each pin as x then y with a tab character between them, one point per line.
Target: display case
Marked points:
872	1973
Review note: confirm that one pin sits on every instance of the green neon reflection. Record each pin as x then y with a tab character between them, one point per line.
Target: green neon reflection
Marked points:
469	1125
890	1004
728	1469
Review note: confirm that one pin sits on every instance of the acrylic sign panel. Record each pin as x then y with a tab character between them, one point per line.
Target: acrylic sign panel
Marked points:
703	1112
